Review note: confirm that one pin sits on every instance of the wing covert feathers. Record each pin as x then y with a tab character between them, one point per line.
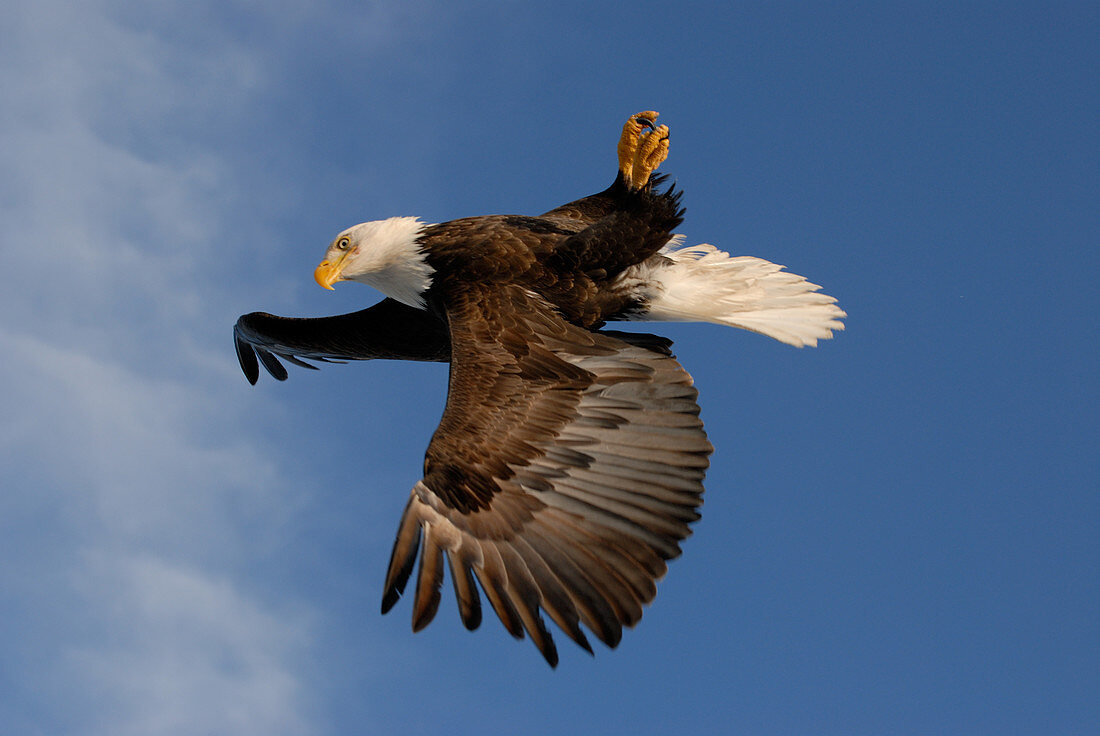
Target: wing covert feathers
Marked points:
565	472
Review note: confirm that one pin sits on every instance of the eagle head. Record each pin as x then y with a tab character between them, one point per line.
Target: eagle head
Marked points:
385	254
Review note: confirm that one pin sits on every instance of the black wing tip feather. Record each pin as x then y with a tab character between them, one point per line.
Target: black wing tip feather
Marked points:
582	641
272	364
389	599
550	652
422	618
246	357
473	621
406	545
395	588
248	352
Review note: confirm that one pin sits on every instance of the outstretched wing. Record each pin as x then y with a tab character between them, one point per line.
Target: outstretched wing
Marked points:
566	469
389	329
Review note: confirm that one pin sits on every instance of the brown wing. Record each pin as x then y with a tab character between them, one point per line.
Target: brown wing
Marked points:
566	469
389	329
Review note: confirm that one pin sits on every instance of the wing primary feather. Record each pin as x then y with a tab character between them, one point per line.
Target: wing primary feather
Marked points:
603	577
494	581
246	356
274	367
596	613
428	581
469	602
638	589
403	556
524	594
630	571
555	599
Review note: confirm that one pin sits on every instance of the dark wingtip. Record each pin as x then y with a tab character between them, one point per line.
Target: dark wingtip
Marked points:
246	356
473	621
402	559
582	641
272	364
425	616
389	599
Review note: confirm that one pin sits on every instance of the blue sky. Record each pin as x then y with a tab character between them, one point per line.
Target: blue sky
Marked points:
899	534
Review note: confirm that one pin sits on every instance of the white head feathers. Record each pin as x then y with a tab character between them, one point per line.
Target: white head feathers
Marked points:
385	254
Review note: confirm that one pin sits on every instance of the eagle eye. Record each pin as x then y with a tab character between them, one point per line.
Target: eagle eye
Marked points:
343	243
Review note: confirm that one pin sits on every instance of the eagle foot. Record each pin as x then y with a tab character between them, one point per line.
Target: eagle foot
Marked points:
640	150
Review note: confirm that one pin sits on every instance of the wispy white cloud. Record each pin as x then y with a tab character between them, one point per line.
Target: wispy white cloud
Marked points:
131	520
190	653
140	457
134	497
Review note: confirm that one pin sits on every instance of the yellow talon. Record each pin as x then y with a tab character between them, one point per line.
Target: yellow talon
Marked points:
641	151
652	150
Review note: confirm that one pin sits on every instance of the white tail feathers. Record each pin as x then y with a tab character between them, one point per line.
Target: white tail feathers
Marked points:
704	284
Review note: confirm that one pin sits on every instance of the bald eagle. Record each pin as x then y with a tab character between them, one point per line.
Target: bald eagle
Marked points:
569	460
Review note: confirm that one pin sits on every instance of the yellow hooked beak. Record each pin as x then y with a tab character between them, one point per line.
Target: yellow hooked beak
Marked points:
329	272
